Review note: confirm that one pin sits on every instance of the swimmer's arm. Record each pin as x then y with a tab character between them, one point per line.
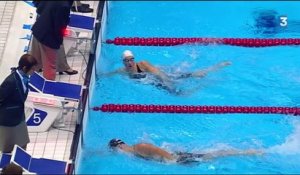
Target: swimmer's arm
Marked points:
202	73
150	151
218	66
160	75
118	71
150	68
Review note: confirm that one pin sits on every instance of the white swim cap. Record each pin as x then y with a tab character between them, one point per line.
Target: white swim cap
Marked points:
127	53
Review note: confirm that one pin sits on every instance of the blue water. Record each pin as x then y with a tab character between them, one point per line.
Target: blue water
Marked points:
257	77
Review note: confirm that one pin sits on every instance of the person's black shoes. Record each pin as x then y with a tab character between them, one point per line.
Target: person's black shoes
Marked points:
73	72
83	8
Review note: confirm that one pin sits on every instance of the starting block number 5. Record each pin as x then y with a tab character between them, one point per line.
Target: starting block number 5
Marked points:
36	118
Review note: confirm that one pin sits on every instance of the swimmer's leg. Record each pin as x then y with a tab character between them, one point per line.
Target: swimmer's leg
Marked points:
202	73
187	92
225	153
171	88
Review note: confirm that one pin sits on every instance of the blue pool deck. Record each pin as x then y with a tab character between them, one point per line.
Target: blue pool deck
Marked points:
56	143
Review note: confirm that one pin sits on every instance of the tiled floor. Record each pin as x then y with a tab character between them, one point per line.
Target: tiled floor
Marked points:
7	9
55	143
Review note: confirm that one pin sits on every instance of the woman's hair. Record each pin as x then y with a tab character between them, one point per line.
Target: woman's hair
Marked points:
27	61
12	169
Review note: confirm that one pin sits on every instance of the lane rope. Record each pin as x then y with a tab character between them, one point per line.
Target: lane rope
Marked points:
138	108
245	42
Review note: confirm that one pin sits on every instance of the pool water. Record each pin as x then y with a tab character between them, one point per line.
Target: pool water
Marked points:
257	77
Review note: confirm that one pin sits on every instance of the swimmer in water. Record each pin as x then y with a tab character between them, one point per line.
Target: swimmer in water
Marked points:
138	70
152	152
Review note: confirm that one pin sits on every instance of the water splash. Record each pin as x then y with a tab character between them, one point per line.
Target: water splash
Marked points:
194	54
166	54
171	147
213	148
183	67
291	145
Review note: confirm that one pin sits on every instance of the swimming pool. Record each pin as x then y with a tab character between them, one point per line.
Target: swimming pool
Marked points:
257	77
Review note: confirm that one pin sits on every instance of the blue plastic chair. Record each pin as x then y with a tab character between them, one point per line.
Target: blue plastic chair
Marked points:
68	91
81	22
4	159
37	165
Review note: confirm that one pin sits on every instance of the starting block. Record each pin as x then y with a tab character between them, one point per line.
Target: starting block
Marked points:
41	111
46	102
79	29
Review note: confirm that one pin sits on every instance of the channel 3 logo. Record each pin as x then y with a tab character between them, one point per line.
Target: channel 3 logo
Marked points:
36	118
283	21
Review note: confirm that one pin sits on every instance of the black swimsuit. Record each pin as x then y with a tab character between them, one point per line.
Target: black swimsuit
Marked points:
182	157
185	158
139	73
138	69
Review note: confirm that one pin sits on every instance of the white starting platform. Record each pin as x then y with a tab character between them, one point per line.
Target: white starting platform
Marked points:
78	30
41	111
45	104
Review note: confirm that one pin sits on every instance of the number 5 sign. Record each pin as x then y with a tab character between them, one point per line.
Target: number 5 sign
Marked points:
36	118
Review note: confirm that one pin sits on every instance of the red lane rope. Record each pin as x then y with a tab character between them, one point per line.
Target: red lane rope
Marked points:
246	42
138	108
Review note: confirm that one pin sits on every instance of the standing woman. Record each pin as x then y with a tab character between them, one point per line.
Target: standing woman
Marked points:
61	62
13	93
48	31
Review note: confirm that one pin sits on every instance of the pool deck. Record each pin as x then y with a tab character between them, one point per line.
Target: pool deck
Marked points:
55	143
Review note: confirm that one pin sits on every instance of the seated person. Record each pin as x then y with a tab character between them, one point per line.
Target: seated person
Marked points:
138	70
149	151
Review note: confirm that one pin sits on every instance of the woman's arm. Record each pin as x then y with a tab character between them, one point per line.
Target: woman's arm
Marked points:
118	71
5	90
161	75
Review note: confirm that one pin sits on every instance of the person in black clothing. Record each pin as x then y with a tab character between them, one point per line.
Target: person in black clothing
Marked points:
13	93
61	62
48	31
